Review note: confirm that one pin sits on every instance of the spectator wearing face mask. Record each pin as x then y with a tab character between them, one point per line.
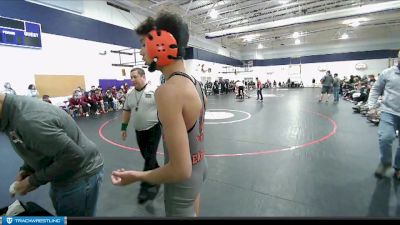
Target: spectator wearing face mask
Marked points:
32	92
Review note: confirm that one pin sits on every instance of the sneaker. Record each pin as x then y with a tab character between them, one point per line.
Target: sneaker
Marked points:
143	196
381	170
152	192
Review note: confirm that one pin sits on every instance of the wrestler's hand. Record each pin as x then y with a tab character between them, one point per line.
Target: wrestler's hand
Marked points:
121	177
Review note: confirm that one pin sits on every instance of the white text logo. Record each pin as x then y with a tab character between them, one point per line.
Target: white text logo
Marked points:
31	34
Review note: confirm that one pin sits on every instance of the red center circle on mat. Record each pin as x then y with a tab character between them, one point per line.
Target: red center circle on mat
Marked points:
263	152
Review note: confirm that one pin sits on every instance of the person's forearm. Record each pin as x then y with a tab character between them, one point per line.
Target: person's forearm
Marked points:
372	98
164	174
126	116
65	165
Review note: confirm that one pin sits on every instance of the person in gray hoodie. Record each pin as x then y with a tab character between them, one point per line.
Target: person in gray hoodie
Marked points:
55	151
388	85
327	82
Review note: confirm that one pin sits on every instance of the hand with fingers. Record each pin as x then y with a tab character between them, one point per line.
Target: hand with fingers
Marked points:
20	177
124	135
372	112
22	186
121	177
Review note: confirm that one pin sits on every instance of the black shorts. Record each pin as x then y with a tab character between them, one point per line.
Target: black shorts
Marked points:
326	89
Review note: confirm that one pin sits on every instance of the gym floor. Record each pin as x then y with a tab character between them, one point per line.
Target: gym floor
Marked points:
288	156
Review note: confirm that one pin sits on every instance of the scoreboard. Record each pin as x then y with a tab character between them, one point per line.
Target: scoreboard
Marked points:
21	33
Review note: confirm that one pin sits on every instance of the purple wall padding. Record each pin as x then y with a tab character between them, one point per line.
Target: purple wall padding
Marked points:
108	83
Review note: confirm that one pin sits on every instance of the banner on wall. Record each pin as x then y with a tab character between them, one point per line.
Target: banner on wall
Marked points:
361	66
20	33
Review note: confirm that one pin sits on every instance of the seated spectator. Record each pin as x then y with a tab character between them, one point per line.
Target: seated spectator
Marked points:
98	100
114	91
79	91
86	101
109	101
126	88
8	89
46	98
92	90
121	97
101	90
32	92
74	105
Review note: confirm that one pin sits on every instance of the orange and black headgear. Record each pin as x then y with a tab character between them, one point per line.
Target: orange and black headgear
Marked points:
161	47
166	38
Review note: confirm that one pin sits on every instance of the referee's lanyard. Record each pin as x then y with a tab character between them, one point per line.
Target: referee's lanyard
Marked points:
140	97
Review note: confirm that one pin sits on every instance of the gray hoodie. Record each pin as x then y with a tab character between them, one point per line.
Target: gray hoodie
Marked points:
327	80
49	141
388	85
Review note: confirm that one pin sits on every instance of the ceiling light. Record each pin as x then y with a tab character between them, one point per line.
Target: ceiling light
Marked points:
297	42
323	16
355	21
260	46
284	2
249	37
220	3
344	36
355	24
296	34
213	13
